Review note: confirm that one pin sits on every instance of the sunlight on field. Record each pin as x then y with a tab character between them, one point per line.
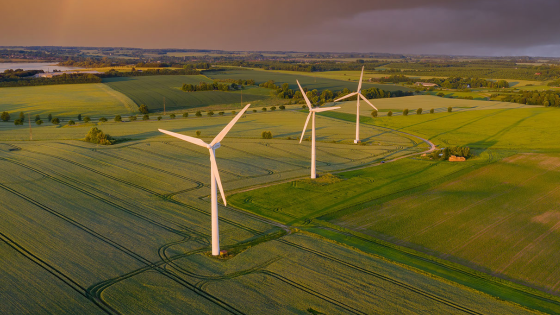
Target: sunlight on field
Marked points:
65	100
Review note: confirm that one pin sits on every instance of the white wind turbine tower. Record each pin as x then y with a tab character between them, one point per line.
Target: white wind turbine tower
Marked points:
214	174
359	93
312	112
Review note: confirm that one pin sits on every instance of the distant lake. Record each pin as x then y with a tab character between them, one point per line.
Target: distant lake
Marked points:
45	66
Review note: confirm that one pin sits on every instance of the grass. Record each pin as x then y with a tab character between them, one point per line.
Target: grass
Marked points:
305	79
128	225
151	90
67	100
505	211
426	102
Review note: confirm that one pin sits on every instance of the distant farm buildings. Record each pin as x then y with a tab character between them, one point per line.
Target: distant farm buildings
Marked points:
425	84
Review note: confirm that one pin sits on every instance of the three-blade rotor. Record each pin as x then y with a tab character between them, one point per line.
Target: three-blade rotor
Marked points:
358	92
312	110
211	147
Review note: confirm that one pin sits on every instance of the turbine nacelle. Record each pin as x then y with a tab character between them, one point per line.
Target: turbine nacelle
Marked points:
215	146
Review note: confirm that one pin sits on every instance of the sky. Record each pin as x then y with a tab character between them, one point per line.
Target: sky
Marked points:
468	27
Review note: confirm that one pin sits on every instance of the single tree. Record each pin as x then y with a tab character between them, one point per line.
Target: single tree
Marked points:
37	117
449	109
146	117
221	113
185	115
132	117
254	110
5	116
431	111
198	114
198	133
87	119
97	136
405	112
79	117
21	116
282	107
440	94
71	122
419	111
102	119
55	121
210	113
172	116
143	109
389	113
39	122
264	109
233	112
266	135
374	113
273	108
18	122
158	117
118	118
49	118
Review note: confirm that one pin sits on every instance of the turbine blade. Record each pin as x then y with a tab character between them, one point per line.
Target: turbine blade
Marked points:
324	109
360	83
305	126
346	96
224	132
370	104
304	96
186	138
217	175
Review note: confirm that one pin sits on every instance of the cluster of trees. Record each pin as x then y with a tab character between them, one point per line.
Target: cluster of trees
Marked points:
65	78
448	83
238	81
92	62
98	137
311	66
215	86
545	98
160	71
479	69
266	135
447	152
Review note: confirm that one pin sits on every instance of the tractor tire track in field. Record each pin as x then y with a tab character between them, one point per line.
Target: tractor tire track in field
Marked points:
55	272
148	264
395	282
445	266
269	172
163	197
312	292
106	201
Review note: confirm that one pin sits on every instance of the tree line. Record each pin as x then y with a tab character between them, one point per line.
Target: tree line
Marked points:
214	86
311	66
65	78
545	98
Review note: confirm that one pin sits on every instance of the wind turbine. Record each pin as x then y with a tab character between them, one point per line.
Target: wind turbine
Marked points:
312	112
359	93
214	174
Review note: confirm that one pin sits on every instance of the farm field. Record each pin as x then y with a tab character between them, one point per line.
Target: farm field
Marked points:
507	214
426	102
521	129
150	91
127	226
289	77
65	100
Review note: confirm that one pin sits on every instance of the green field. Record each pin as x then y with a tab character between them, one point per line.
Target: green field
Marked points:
151	90
426	102
66	100
495	213
306	80
125	228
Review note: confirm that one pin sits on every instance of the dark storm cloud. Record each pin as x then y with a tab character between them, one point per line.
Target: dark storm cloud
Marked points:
489	27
